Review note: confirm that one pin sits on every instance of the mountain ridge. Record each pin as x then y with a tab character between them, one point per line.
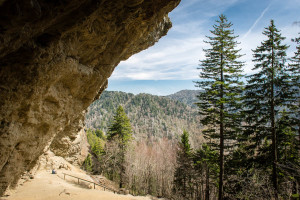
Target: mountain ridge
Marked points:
151	116
188	97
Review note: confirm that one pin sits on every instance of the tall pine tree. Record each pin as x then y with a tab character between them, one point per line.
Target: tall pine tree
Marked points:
294	118
265	96
206	161
294	73
120	131
219	103
184	170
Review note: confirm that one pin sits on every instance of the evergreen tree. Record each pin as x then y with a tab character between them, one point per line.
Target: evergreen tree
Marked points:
120	131
183	173
288	154
287	142
88	163
97	148
290	125
120	128
265	96
96	143
100	134
220	102
206	164
294	73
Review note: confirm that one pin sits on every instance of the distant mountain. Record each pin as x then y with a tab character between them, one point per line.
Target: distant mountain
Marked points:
188	97
150	116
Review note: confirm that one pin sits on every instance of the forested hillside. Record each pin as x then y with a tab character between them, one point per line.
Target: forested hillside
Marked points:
188	97
151	116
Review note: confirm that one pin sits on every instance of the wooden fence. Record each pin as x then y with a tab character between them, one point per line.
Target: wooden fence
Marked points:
98	184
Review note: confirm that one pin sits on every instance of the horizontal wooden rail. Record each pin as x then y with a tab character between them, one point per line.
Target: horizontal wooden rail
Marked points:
104	187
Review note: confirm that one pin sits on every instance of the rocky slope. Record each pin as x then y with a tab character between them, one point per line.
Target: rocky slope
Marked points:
55	58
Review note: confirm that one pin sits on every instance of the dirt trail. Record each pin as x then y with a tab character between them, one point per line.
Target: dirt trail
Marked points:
47	186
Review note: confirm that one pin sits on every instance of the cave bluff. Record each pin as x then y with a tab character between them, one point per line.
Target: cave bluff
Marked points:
55	59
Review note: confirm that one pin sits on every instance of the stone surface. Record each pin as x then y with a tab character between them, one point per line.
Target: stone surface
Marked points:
55	59
73	145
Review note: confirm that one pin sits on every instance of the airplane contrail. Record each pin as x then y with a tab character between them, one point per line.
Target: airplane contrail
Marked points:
256	21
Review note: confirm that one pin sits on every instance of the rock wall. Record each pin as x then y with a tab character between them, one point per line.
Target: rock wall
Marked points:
55	59
72	146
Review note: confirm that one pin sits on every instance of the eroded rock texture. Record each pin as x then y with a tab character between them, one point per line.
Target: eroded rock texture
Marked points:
55	58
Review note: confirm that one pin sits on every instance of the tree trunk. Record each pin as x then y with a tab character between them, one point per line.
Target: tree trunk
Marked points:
121	176
122	170
221	162
298	125
273	131
207	183
184	186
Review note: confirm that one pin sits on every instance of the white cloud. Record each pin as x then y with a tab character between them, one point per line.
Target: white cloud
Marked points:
202	8
175	59
177	55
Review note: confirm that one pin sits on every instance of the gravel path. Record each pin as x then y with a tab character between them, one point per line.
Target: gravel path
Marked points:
47	186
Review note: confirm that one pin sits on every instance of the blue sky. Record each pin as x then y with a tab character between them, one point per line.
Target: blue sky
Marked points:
171	64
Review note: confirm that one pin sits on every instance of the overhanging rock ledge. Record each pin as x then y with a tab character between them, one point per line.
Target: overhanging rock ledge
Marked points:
55	59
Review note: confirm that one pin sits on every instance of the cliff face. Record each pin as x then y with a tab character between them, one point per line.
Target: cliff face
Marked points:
55	58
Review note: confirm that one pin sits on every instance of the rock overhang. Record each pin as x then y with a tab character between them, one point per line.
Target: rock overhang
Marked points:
55	59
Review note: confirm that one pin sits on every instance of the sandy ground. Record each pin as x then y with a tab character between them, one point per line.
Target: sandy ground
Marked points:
47	186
